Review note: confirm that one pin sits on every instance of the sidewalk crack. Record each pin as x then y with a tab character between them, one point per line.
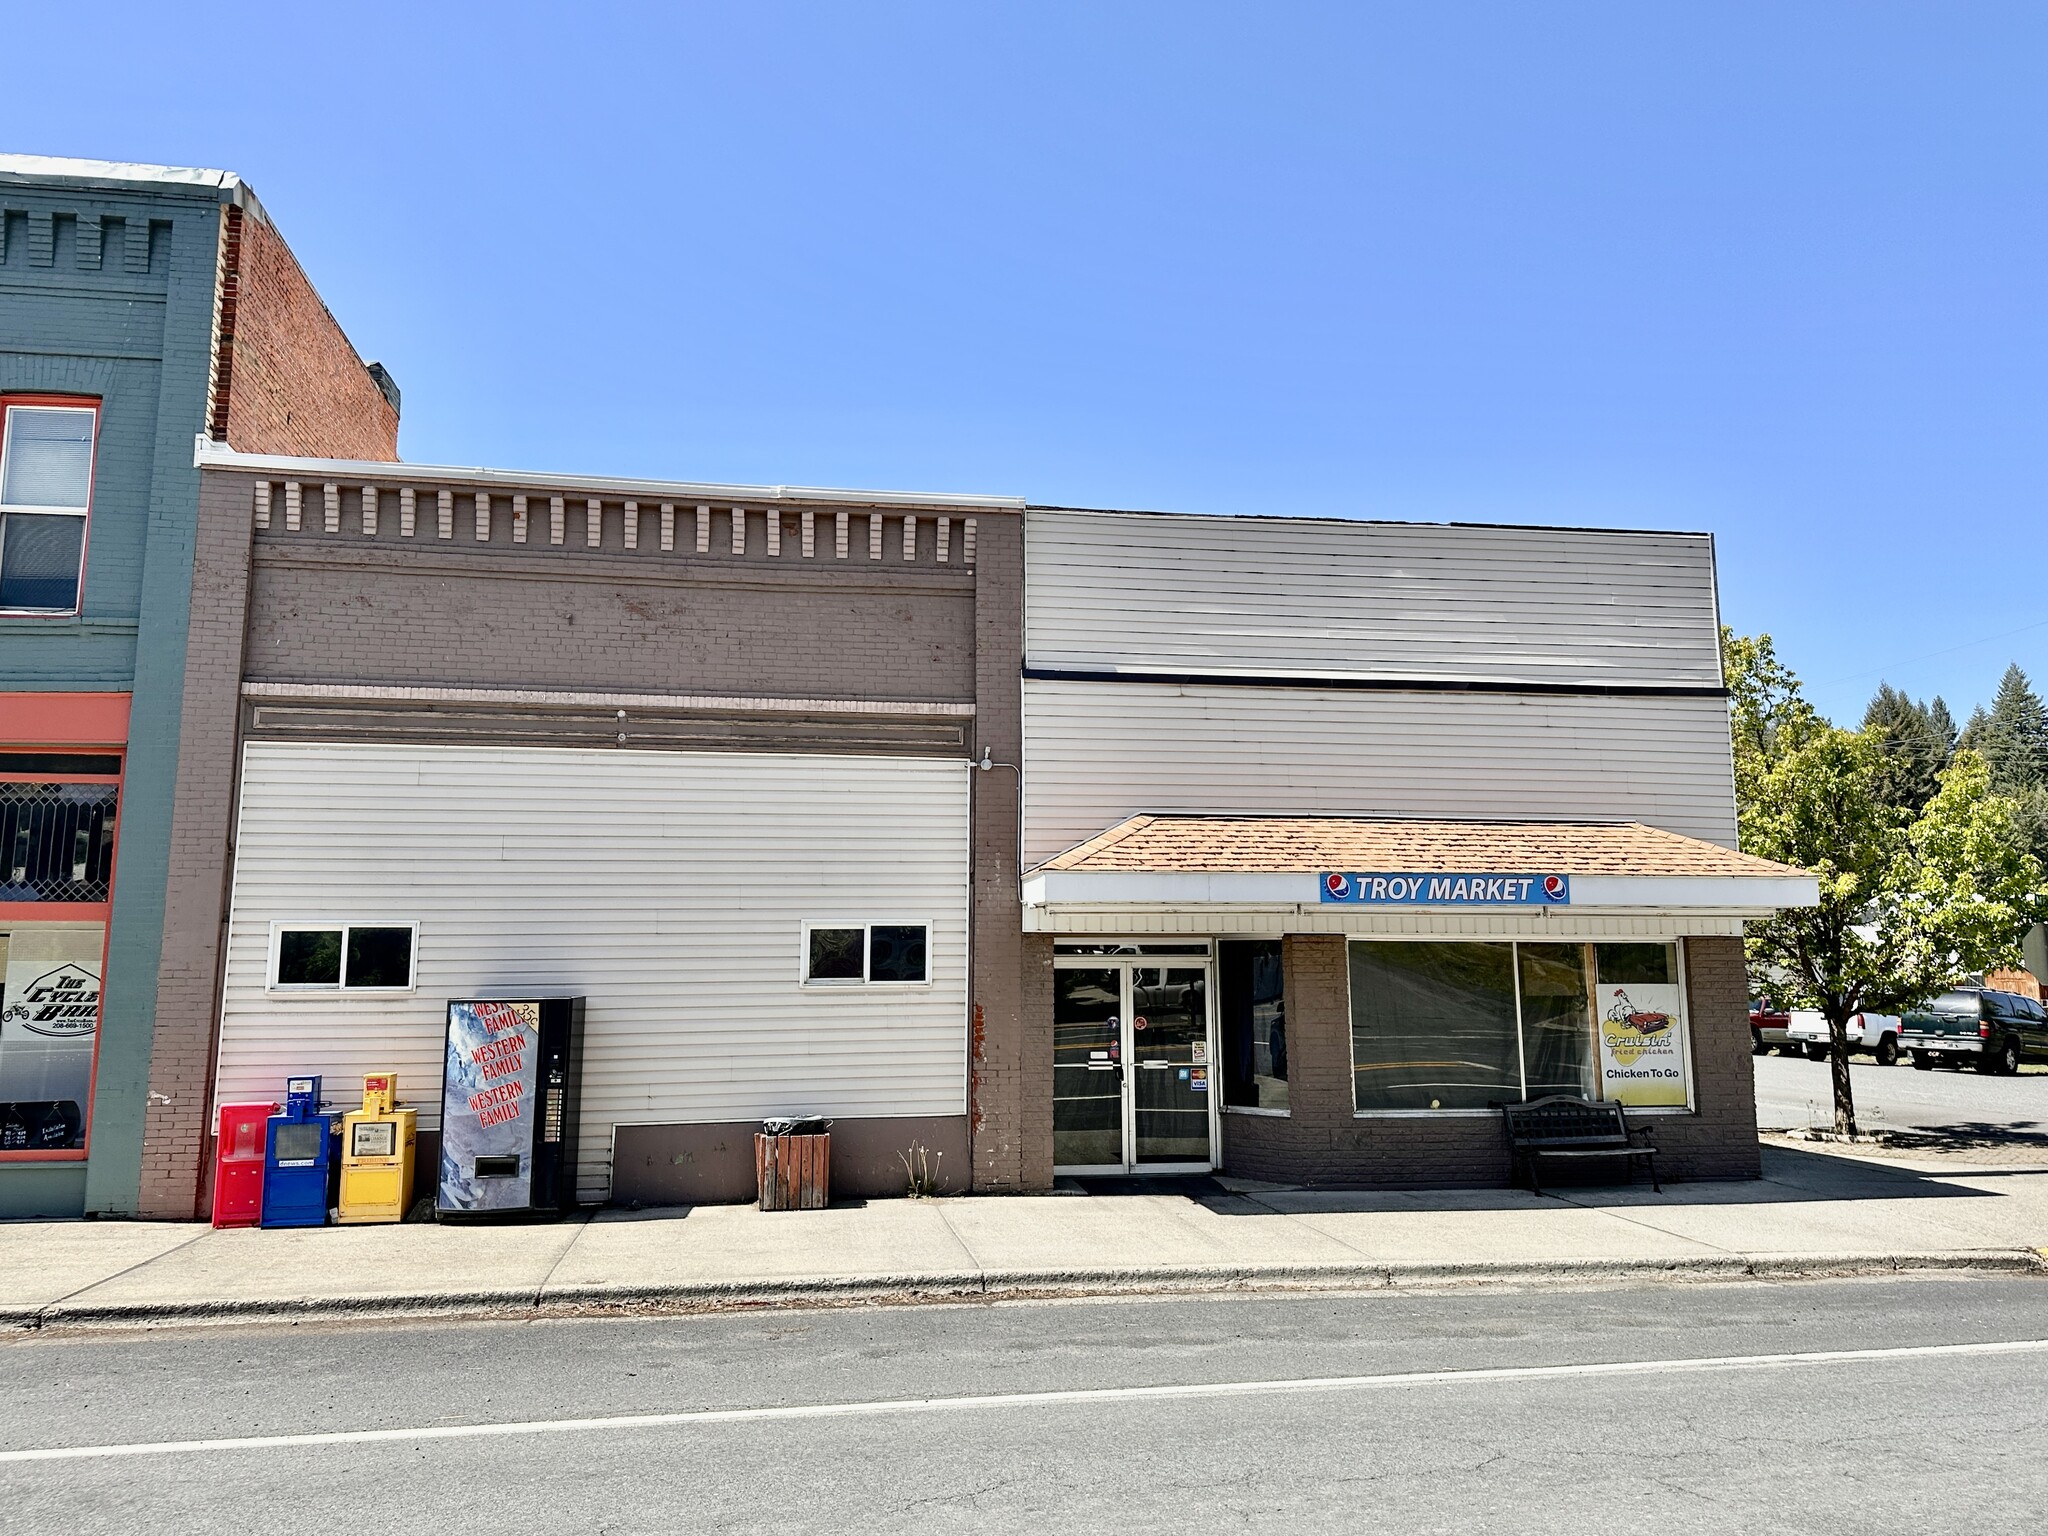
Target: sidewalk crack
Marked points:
1647	1226
1294	1219
589	1215
36	1320
973	1259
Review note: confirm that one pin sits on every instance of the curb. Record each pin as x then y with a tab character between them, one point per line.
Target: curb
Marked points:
1016	1284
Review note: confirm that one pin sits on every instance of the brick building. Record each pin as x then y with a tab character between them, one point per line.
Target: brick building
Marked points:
1020	842
703	755
140	307
1333	836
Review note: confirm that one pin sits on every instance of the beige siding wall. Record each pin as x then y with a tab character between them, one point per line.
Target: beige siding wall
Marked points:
667	888
1120	591
1098	752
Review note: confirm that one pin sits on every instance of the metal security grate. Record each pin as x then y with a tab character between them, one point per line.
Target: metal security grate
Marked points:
56	842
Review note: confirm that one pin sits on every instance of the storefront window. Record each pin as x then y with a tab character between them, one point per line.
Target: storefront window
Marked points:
1464	1026
57	840
1433	1026
1557	1047
1253	1014
49	1022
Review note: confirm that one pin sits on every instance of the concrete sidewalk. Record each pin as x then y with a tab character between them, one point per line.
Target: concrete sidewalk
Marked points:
1815	1212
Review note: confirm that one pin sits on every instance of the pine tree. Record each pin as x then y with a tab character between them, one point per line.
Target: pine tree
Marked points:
1971	737
1944	726
1914	745
2015	736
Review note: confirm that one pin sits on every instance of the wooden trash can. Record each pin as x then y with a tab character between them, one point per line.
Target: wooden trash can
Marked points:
795	1172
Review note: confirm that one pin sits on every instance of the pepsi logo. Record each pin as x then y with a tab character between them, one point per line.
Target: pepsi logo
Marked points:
1339	886
1553	887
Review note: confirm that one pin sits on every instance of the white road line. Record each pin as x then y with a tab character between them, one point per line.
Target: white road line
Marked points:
693	1417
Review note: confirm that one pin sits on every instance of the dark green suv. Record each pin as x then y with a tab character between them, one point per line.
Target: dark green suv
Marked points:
1994	1031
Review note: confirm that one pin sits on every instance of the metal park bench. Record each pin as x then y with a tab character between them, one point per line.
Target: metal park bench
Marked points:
1562	1126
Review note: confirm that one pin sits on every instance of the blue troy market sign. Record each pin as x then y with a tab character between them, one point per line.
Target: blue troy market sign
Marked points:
1452	890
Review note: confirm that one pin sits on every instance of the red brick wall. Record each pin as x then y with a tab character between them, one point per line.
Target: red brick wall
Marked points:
288	381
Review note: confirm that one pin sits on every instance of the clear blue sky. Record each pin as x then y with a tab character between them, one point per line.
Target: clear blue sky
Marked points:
1776	270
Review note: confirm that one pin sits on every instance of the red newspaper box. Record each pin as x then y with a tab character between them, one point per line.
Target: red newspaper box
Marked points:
238	1164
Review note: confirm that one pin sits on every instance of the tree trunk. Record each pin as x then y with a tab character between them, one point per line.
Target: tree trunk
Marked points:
1838	1069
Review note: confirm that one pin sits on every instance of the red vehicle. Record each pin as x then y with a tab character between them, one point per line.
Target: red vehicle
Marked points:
1767	1026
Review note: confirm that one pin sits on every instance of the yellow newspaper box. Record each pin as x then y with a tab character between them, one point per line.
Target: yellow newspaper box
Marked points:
376	1154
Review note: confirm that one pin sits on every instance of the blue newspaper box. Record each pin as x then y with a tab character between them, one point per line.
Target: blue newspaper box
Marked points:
299	1165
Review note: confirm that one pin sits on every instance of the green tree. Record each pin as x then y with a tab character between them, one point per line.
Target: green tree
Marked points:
2013	735
1910	904
1944	726
1914	744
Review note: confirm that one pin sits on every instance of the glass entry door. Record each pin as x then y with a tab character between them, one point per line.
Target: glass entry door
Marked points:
1133	1087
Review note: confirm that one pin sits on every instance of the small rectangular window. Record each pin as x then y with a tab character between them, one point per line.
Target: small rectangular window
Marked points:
1253	1007
45	491
309	957
49	458
836	954
871	954
345	957
896	952
379	957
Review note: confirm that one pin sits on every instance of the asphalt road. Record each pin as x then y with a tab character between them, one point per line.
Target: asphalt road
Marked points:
1791	1091
1469	1412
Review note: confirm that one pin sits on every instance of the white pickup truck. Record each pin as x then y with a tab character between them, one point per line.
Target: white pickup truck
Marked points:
1877	1033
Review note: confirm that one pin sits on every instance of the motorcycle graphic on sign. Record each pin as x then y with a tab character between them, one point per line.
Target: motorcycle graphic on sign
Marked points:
49	1024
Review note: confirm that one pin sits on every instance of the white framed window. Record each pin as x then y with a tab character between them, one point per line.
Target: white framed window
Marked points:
343	957
46	464
857	952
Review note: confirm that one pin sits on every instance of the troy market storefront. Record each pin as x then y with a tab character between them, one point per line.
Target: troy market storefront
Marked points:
1330	1000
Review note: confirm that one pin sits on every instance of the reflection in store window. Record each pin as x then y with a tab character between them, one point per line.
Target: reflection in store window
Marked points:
1470	1026
49	1022
1433	1026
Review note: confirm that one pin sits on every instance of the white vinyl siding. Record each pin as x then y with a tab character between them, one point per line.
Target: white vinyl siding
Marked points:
1096	753
670	889
1259	596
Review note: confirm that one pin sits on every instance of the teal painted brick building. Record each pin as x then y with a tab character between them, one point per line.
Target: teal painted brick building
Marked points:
141	308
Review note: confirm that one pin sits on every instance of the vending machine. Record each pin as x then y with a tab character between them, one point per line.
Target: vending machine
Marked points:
238	1164
299	1165
511	1070
376	1155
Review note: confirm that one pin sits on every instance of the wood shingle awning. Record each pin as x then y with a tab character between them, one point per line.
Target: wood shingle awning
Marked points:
1157	862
